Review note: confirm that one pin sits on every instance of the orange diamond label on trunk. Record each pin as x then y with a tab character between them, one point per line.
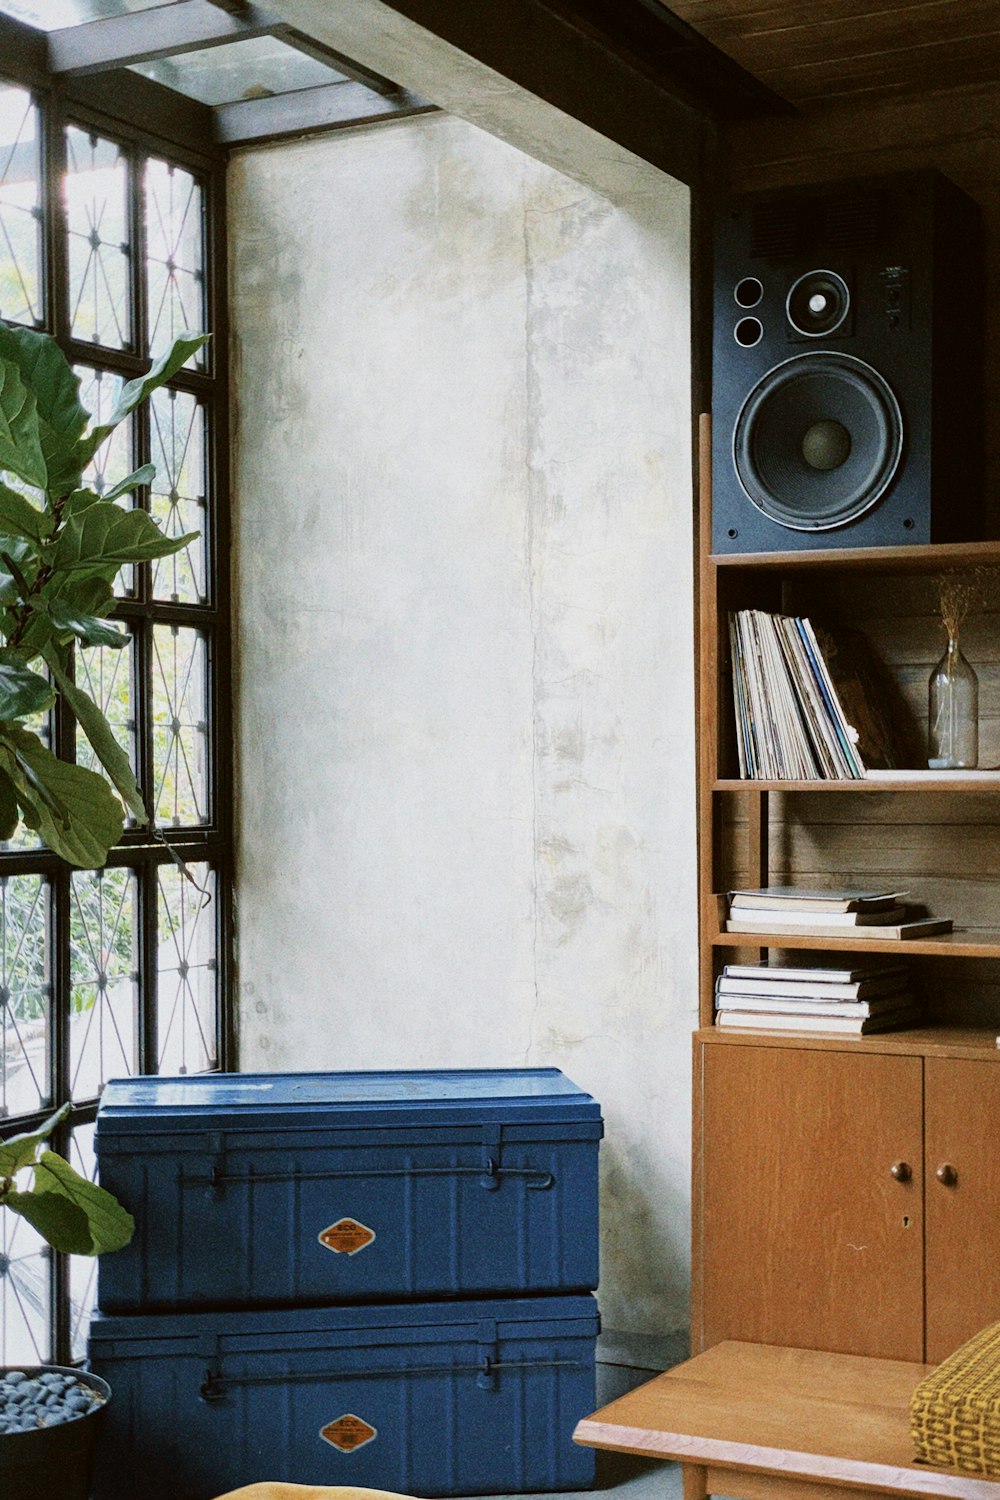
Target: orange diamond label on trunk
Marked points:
348	1432
347	1237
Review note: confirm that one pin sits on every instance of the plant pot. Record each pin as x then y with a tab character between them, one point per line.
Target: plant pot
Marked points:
54	1462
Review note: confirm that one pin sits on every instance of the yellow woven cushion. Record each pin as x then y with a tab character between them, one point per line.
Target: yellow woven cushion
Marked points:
955	1411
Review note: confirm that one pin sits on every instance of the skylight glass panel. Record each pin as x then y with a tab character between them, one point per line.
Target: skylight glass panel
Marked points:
253	69
53	15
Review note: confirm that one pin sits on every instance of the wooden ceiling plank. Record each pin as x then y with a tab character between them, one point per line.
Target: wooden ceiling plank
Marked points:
743	15
966	61
835	43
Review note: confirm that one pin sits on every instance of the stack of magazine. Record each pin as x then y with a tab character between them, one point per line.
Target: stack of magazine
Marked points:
858	915
789	722
848	1001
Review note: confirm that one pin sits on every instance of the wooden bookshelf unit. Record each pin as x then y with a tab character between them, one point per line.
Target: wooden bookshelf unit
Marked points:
847	1190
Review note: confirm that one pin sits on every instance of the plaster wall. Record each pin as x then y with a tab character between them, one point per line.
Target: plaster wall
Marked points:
464	639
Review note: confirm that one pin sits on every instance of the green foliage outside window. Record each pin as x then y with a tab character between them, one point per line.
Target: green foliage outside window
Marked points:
62	547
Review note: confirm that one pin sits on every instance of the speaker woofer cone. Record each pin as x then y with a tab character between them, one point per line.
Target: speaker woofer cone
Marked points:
818	441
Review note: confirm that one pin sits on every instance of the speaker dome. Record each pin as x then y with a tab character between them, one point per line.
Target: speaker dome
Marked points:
818	441
818	304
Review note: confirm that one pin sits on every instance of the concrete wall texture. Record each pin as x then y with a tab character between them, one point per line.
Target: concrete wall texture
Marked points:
464	640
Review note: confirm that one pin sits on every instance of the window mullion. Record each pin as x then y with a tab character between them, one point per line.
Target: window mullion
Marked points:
148	939
57	310
61	1082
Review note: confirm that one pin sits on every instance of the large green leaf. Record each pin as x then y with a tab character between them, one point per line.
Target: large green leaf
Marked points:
9	815
88	593
136	391
23	692
20	1150
104	535
131	482
73	809
18	517
62	1223
61	417
110	1226
20	439
98	731
87	628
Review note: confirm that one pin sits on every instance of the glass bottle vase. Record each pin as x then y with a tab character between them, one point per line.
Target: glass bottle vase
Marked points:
953	713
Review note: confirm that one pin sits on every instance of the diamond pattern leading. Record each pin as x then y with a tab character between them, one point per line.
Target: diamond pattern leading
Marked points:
106	675
20	209
99	391
180	731
177	494
25	1295
25	998
187	970
104	979
175	255
95	192
82	1268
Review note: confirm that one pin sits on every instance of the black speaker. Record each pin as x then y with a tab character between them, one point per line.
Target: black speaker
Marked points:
847	365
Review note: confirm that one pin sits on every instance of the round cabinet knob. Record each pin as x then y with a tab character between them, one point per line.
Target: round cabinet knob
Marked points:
901	1170
946	1174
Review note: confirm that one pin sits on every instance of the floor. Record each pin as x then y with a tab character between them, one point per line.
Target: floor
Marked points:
621	1477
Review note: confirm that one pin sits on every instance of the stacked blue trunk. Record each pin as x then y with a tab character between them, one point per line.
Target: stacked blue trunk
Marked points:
375	1279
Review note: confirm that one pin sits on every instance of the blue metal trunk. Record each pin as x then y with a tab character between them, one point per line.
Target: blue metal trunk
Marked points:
446	1398
253	1189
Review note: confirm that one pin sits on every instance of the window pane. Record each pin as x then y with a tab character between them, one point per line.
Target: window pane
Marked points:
187	989
108	676
99	392
20	209
177	494
103	1035
95	192
40	724
180	731
25	1293
114	459
82	1268
175	256
24	995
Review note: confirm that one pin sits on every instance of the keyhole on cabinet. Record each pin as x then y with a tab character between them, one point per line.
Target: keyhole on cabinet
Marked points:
906	1221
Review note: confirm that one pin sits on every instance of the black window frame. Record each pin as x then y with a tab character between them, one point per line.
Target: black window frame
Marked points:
145	121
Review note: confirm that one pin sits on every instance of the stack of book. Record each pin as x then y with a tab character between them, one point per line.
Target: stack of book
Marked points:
848	1001
789	722
858	915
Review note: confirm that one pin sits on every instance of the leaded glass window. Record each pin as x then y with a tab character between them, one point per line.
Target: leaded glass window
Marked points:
20	208
103	243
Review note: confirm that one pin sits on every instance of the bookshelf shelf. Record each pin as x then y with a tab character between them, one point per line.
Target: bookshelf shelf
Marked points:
797	1133
926	1041
917	559
960	943
875	781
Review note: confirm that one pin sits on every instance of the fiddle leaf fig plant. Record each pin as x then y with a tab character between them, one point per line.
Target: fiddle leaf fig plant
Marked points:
62	546
73	1214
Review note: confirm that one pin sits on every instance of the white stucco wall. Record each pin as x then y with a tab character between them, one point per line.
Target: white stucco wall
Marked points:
464	639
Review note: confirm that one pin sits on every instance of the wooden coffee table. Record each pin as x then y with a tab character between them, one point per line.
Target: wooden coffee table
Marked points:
757	1422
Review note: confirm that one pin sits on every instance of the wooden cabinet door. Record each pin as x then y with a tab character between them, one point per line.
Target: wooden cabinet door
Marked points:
962	1211
804	1237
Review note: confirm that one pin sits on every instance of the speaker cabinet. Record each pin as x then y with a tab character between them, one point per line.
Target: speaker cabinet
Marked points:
846	371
